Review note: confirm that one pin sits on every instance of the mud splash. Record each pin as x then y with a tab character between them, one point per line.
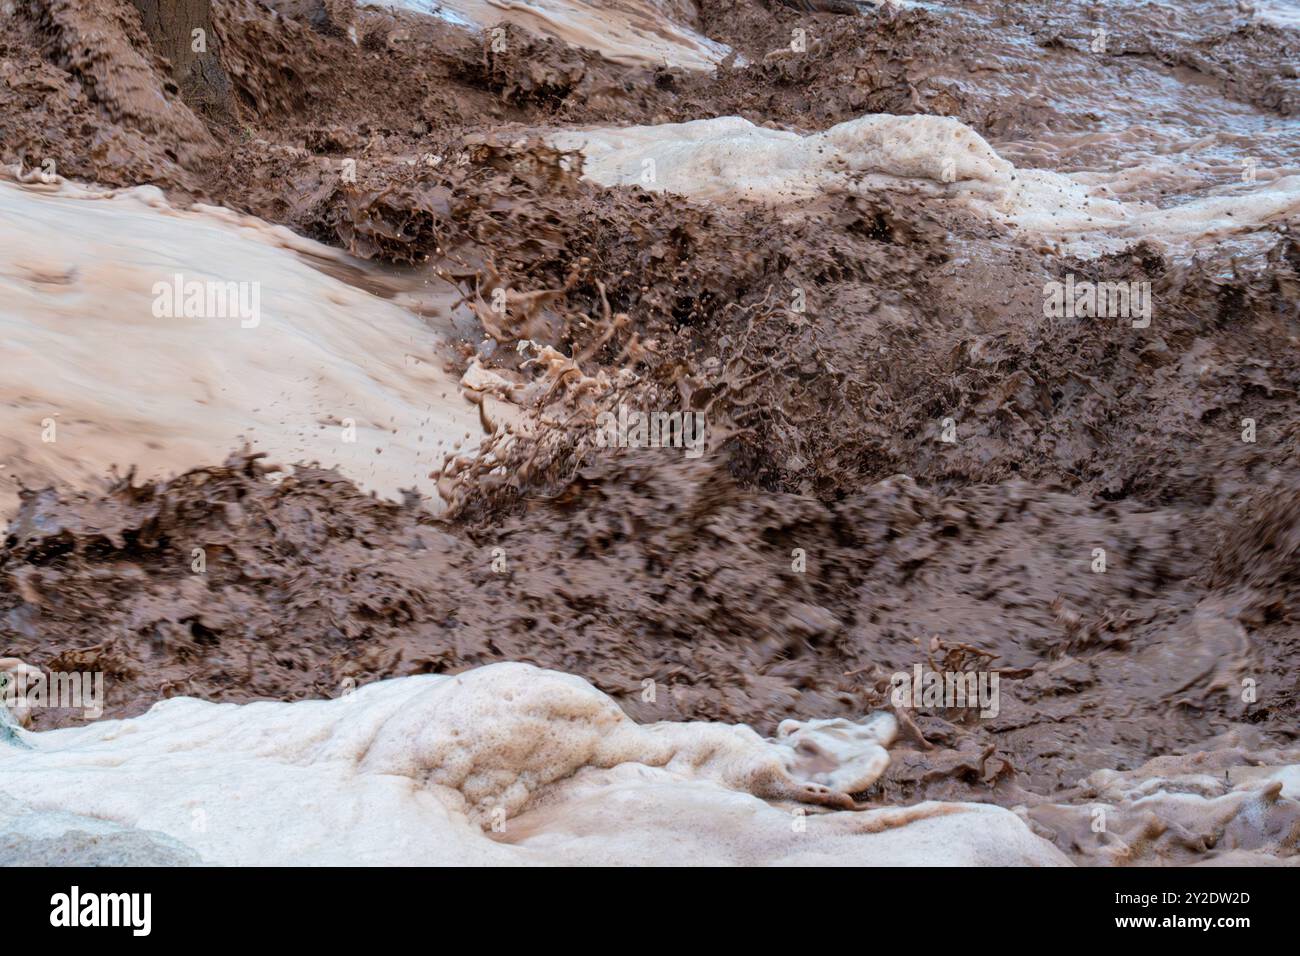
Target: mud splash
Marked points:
710	607
910	463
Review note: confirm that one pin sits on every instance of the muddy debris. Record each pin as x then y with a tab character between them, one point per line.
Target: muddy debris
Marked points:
909	466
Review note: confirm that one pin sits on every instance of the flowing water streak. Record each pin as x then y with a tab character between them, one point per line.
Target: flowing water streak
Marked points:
632	32
96	377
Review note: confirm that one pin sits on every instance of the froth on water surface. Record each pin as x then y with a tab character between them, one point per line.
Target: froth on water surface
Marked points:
124	348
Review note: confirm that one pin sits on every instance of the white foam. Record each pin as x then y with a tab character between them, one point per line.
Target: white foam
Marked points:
506	764
632	32
84	350
731	158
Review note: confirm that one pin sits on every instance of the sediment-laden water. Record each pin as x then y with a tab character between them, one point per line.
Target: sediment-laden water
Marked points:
322	415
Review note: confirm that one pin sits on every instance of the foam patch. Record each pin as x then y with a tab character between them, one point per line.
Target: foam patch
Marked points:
105	367
505	764
645	33
730	158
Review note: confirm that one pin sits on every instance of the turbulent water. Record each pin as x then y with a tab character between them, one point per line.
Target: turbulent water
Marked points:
430	769
1085	213
420	251
637	32
108	369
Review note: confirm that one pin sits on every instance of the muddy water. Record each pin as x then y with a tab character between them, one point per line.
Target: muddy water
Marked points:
913	466
635	32
732	159
109	365
1162	135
